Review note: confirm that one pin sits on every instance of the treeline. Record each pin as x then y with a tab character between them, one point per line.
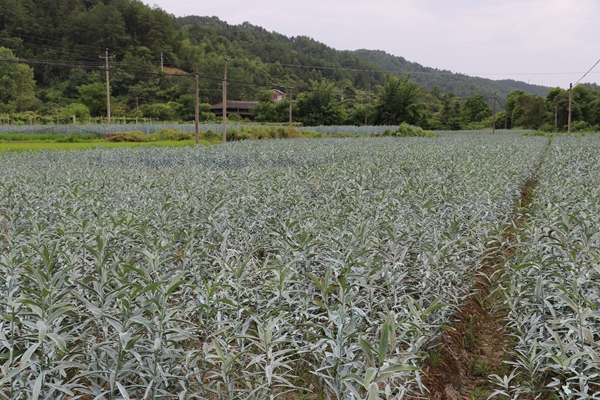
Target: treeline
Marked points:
152	55
402	100
447	81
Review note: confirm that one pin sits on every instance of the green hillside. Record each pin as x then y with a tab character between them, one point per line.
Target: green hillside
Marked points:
447	81
53	68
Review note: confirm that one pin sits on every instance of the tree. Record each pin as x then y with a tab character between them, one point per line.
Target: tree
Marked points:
320	106
529	111
161	111
399	102
94	97
80	111
511	103
476	109
450	116
583	97
595	112
360	110
271	111
16	83
101	26
557	103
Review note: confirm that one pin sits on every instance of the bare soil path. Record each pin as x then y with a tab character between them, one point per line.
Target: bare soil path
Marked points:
477	344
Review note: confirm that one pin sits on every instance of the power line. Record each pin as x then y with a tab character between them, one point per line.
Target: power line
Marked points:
437	72
100	66
289	65
56	63
590	70
20	35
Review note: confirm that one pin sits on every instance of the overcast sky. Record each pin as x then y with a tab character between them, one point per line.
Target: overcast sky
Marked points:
545	42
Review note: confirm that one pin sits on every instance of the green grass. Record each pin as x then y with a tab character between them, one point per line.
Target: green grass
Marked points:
50	137
34	146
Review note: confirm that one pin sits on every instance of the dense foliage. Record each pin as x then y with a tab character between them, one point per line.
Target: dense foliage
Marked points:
446	81
552	284
64	42
247	270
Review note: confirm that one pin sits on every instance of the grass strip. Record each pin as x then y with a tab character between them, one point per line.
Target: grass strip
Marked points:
36	146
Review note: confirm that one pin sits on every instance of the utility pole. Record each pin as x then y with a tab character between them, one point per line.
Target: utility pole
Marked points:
291	88
366	108
570	106
494	117
197	111
162	68
225	103
107	87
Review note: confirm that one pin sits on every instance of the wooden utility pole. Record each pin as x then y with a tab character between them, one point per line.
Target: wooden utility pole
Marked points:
107	88
570	106
225	103
162	68
366	108
291	88
197	109
494	116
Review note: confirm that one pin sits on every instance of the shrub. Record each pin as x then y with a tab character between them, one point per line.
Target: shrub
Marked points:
406	130
172	134
210	135
265	132
134	136
581	126
80	111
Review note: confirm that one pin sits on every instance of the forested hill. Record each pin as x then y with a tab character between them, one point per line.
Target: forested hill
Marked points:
287	60
460	84
249	41
63	43
137	35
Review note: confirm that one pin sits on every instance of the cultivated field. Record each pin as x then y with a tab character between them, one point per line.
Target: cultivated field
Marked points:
553	283
288	269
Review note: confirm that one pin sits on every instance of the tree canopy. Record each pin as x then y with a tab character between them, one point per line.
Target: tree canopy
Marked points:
16	83
64	42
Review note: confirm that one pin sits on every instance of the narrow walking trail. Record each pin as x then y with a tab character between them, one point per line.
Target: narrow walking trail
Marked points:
477	344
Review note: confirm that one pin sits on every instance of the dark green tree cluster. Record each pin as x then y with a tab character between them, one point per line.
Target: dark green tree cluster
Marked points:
459	84
399	100
138	37
551	113
330	86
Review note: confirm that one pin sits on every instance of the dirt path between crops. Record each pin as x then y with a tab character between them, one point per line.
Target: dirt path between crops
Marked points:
477	344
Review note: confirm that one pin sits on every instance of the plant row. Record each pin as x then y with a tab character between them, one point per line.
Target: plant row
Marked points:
552	286
243	271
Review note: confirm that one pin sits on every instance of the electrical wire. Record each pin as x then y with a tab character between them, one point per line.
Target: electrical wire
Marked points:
590	70
91	56
289	65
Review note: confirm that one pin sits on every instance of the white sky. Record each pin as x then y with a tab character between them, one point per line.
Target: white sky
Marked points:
545	42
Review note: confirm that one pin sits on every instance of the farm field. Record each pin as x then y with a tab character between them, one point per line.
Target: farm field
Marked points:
288	269
36	146
553	282
146	128
105	129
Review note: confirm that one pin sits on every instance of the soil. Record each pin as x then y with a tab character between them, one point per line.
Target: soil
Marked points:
477	344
